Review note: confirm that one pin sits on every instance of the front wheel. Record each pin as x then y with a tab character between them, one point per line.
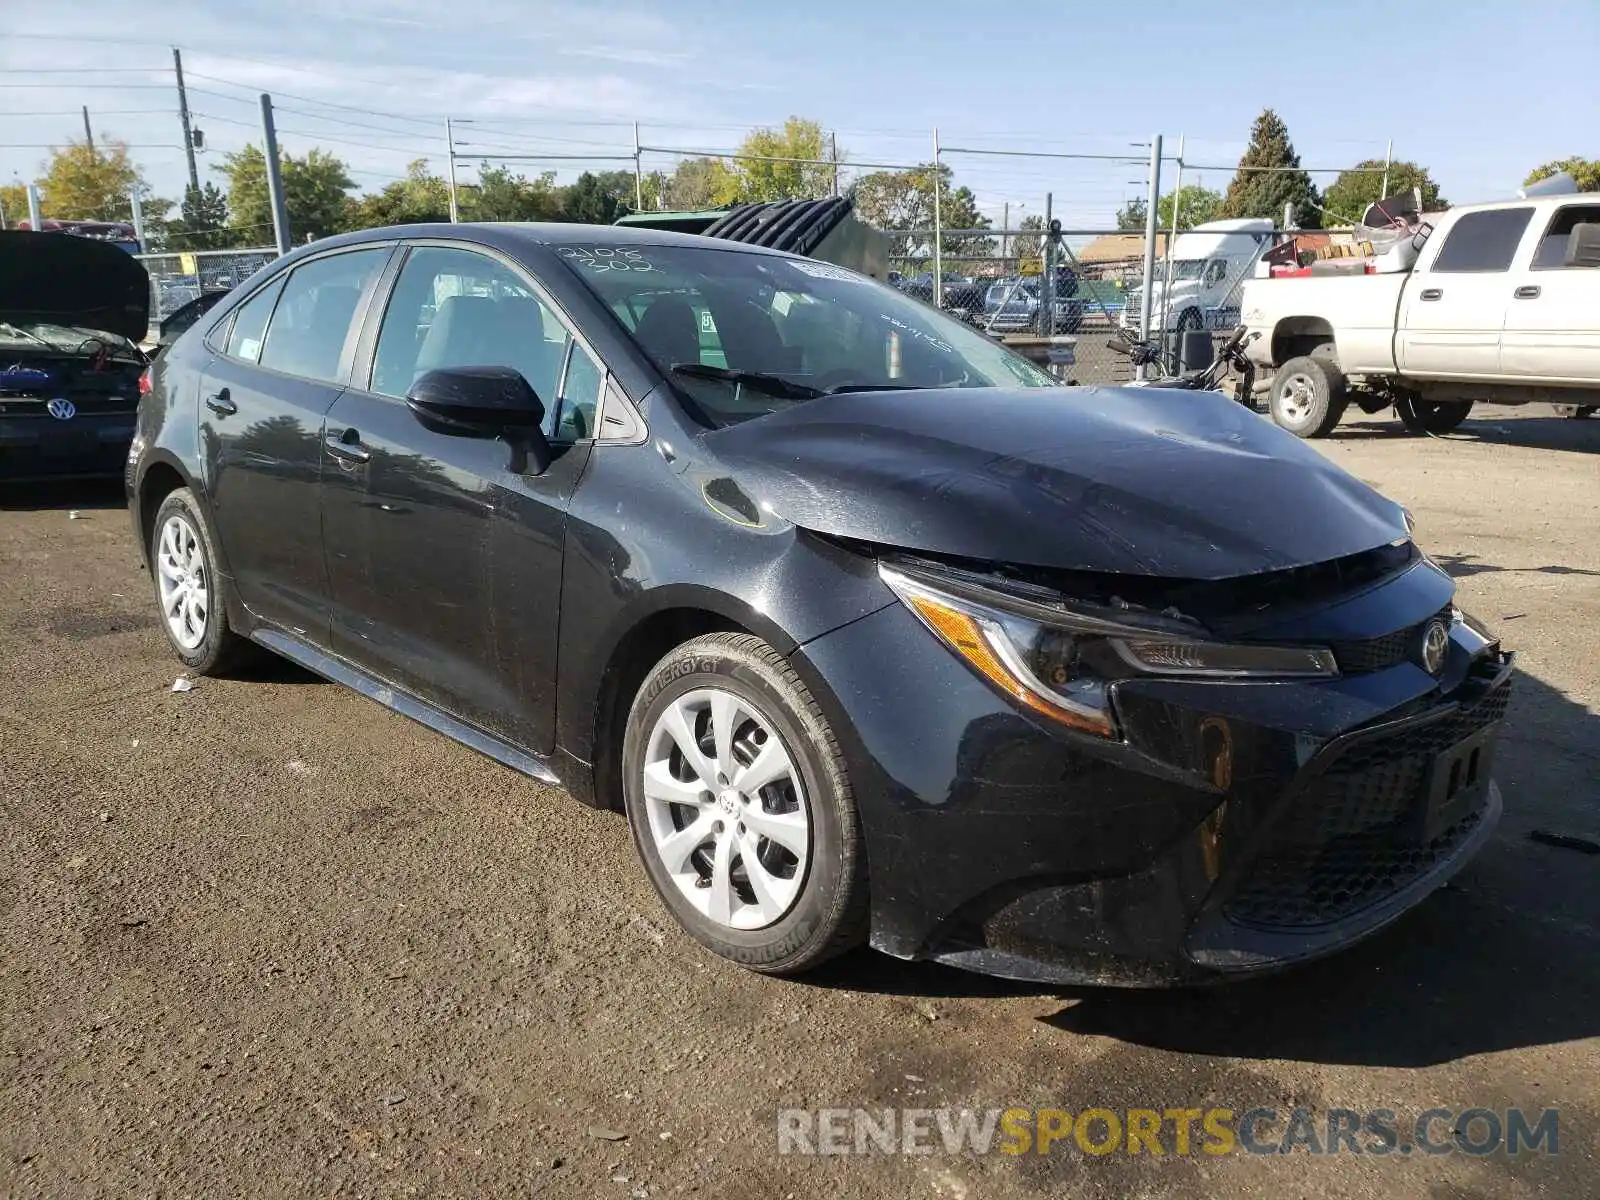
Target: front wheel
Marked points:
1308	396
1431	416
741	809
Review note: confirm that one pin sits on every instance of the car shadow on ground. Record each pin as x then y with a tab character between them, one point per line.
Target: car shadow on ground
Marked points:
1506	956
1461	566
1537	433
84	495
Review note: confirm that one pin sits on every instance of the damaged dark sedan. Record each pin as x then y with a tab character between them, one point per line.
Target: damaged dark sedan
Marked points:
71	311
872	632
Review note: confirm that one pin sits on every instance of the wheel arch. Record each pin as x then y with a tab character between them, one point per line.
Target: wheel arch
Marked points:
641	638
160	476
1293	337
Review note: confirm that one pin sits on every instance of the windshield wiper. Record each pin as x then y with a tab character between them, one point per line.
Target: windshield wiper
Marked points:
772	385
872	387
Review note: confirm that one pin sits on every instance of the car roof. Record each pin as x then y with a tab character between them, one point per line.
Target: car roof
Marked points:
545	233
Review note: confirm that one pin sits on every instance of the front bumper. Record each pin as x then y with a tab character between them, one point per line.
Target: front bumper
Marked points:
35	446
1238	827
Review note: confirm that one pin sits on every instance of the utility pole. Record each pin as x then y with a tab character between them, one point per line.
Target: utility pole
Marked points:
450	158
833	153
183	117
1151	220
1005	224
638	172
938	228
88	133
35	216
1388	161
269	141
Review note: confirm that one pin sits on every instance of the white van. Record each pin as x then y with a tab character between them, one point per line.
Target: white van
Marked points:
1209	266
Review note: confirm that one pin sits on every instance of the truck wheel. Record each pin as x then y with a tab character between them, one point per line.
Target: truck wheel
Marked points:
1431	416
1574	412
1308	396
1191	319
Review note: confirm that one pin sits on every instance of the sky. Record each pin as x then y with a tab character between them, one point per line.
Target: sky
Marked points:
1478	92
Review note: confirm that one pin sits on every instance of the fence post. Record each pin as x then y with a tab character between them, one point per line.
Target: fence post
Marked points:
1047	270
938	228
1151	219
1388	161
1172	236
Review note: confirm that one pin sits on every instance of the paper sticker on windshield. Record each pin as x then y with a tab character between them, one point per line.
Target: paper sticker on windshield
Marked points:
824	271
607	258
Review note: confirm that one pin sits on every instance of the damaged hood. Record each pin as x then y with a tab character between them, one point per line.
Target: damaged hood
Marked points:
58	279
1148	481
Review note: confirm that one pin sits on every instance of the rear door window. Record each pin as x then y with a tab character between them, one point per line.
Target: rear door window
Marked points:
1484	241
1552	251
250	323
314	316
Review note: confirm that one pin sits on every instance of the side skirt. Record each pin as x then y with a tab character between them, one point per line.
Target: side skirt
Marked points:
419	711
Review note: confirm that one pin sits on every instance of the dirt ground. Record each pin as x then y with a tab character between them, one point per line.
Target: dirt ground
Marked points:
267	938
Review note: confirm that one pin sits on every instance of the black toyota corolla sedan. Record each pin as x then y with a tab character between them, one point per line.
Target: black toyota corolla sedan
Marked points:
872	632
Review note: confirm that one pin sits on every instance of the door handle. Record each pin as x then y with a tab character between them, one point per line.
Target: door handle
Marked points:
220	403
1529	292
347	446
1432	294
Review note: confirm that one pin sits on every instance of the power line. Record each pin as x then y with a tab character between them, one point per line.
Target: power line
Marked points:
99	112
370	112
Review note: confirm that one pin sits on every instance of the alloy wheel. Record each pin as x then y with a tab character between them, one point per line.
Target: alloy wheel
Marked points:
183	582
727	810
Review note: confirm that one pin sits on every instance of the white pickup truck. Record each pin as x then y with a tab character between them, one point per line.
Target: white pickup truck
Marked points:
1502	304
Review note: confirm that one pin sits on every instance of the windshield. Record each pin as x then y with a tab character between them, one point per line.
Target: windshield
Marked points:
68	339
733	317
1188	268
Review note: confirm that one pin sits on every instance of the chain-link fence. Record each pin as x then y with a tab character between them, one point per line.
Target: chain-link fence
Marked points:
181	276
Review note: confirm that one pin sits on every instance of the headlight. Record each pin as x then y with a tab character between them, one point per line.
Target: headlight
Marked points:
1057	660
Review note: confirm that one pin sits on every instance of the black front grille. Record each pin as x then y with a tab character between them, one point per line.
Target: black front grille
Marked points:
1352	837
1374	654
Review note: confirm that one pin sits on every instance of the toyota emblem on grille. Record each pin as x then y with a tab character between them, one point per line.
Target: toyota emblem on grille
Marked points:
1435	641
62	409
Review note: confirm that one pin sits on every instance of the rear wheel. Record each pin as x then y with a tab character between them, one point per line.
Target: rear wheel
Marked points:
188	591
1308	396
740	807
1431	416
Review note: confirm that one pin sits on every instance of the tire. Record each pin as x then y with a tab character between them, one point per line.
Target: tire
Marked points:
1308	396
812	900
1190	319
1431	416
1575	412
182	548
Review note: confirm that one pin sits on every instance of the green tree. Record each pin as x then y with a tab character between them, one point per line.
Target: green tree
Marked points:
1028	248
1196	205
1585	170
501	195
903	200
316	191
1133	216
589	200
700	183
799	138
420	197
1269	177
1357	189
88	185
203	223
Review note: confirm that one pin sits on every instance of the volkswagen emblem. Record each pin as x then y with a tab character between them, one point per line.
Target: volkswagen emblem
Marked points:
62	409
1435	641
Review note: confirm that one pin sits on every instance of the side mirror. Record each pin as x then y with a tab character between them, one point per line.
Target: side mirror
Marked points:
1583	246
482	402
